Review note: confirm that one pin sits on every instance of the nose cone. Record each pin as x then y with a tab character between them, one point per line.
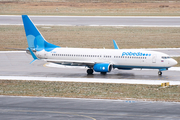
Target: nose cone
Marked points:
173	62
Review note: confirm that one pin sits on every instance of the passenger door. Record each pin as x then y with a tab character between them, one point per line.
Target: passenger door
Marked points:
154	59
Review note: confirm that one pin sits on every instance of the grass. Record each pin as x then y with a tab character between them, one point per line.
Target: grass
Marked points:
89	90
95	37
98	1
92	8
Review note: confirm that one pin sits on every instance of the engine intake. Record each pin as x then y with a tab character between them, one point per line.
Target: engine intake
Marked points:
102	67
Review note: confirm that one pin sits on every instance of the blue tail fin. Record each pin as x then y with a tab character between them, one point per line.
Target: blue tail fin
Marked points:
34	38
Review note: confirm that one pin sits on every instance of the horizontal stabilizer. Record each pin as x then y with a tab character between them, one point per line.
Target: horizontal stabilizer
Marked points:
33	55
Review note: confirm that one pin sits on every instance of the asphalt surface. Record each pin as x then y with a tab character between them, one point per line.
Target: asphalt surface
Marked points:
17	64
38	108
94	21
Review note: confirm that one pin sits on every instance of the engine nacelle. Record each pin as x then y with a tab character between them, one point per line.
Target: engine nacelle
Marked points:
102	67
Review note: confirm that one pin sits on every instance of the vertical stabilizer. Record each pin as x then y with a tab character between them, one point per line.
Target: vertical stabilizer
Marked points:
34	38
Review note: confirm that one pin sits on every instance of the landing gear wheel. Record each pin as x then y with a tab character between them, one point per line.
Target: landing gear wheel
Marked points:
103	73
159	73
90	71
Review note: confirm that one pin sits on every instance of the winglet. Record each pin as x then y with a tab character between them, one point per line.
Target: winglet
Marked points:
33	55
115	45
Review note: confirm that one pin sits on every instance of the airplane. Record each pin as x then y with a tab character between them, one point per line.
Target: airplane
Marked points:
96	60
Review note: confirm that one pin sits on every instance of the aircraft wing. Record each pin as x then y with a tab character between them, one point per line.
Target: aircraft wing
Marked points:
71	63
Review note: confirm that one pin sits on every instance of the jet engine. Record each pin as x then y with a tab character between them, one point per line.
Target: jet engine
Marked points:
102	67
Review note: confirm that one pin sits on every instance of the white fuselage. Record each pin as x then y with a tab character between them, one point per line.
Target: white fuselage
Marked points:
119	58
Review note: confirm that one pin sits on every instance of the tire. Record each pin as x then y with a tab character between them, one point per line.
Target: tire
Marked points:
103	73
159	73
90	71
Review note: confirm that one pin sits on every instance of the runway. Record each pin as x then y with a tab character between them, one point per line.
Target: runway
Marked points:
38	108
11	65
94	21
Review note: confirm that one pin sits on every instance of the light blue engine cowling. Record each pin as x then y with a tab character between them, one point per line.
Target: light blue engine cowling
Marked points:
102	67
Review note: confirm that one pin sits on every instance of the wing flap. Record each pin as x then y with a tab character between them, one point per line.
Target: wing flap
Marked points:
71	63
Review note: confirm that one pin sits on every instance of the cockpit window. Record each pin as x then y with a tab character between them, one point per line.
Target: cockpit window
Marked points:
165	57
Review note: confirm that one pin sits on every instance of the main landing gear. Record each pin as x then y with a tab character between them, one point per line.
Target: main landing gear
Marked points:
90	71
103	73
159	73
